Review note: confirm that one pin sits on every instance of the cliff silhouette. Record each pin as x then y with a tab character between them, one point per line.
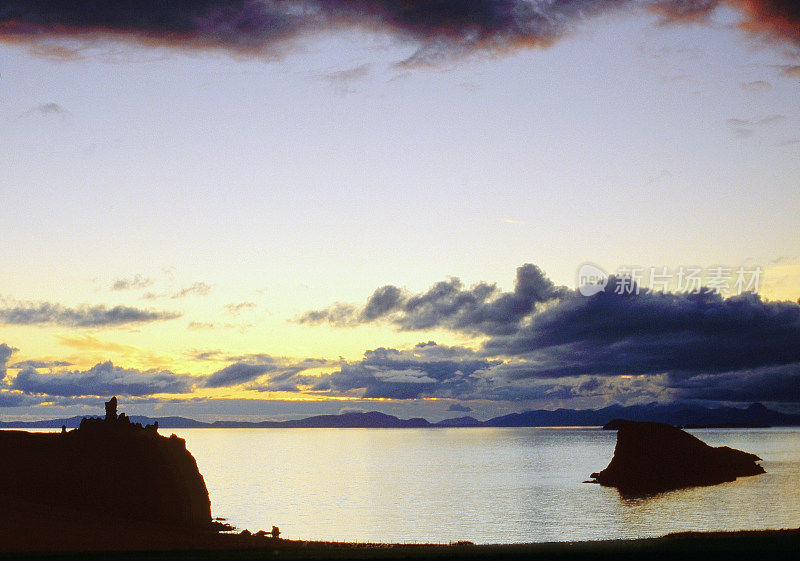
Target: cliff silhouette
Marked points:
108	472
654	457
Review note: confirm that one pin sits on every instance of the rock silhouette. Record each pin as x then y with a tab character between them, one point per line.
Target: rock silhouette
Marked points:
107	470
654	457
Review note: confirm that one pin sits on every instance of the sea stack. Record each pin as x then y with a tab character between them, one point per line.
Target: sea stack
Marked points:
654	457
107	471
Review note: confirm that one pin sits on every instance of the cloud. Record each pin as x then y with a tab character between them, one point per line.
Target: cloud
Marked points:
774	19
757	86
103	379
769	119
685	11
236	309
46	109
5	354
656	332
343	79
134	282
198	288
745	128
573	342
482	308
459	408
777	19
39	364
281	374
17	399
91	343
45	313
427	370
261	26
253	26
238	373
779	384
791	71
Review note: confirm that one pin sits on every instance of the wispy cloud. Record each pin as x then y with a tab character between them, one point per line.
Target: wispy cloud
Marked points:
134	282
684	11
344	79
46	109
46	313
92	343
35	364
236	309
197	289
757	86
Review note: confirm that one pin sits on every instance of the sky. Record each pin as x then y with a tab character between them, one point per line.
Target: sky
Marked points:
251	209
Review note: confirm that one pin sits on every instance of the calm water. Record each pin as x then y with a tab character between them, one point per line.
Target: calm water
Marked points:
483	485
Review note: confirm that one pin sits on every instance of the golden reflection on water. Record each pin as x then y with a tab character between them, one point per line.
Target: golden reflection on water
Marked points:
485	485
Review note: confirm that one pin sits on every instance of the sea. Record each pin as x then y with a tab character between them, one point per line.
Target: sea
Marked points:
484	485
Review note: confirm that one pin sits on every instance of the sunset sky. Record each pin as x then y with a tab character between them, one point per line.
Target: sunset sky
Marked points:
257	210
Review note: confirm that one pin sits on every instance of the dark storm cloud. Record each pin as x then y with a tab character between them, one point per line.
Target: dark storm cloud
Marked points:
252	24
563	333
616	342
643	333
46	313
481	308
103	379
256	25
772	384
5	354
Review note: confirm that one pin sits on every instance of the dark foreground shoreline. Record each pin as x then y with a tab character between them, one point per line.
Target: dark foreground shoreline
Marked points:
763	544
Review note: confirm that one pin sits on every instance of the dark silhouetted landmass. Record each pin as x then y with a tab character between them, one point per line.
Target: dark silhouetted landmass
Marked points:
673	414
680	415
654	457
109	473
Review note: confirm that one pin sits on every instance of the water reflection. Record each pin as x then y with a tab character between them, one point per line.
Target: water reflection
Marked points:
484	485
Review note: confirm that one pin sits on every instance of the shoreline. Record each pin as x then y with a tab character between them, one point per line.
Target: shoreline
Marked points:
745	544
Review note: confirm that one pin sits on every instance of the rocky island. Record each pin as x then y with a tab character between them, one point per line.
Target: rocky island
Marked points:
654	457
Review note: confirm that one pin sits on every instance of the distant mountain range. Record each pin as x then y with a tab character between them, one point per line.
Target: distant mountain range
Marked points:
678	414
